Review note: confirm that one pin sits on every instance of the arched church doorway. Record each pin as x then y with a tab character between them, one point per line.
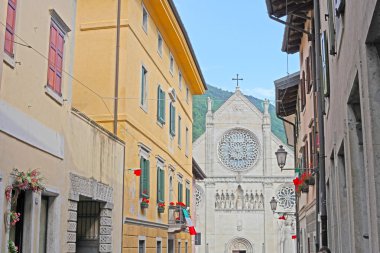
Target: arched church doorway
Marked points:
239	245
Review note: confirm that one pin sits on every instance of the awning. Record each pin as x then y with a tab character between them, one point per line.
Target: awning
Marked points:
286	94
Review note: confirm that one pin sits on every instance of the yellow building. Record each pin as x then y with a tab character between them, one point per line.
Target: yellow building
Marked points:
81	162
158	76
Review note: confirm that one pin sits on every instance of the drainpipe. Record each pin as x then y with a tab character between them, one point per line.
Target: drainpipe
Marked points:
116	102
315	157
297	198
321	164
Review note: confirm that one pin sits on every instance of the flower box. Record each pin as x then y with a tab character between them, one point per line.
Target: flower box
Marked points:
305	188
310	181
144	205
161	209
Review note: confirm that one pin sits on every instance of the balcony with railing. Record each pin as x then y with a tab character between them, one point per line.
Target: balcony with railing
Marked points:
177	221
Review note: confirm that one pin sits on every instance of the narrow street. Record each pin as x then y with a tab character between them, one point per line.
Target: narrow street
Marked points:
183	126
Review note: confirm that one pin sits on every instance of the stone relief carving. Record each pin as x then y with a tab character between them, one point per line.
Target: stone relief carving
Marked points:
226	200
238	149
198	195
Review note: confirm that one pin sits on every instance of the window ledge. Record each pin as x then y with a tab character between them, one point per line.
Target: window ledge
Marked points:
144	108
10	61
160	124
52	94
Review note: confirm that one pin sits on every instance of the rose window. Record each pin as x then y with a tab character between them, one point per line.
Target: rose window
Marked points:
286	197
238	149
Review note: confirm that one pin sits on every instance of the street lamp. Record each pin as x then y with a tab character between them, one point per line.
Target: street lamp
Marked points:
273	204
281	157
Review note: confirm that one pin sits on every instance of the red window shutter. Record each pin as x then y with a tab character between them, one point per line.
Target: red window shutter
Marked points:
56	45
10	27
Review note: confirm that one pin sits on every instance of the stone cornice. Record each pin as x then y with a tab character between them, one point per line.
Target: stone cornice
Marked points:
138	222
249	179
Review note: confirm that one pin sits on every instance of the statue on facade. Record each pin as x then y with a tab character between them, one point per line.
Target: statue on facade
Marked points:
232	201
217	200
222	201
239	198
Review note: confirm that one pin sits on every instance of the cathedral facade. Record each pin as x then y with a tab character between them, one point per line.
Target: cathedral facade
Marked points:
237	153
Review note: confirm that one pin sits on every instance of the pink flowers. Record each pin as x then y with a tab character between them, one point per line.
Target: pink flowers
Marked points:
14	217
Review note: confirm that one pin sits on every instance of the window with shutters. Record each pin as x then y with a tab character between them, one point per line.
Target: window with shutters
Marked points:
180	191
179	131
187	142
187	195
56	46
160	105
144	177
10	28
143	88
172	119
160	184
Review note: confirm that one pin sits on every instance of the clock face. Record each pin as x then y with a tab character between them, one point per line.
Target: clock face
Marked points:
238	149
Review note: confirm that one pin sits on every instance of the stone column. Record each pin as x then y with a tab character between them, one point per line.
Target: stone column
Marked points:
209	158
270	228
72	226
267	140
105	232
210	217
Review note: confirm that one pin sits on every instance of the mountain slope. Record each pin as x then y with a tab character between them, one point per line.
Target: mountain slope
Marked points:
219	96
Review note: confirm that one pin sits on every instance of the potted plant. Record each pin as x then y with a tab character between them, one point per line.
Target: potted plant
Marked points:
144	203
304	187
24	181
308	178
12	248
161	207
29	181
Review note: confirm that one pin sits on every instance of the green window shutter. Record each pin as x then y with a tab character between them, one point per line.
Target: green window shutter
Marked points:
158	185
325	65
163	106
187	197
179	130
172	119
162	185
147	181
180	193
159	103
142	181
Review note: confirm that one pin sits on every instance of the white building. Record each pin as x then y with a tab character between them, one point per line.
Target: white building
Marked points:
237	152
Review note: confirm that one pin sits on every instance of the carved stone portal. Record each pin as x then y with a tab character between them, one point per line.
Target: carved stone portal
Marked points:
94	190
239	244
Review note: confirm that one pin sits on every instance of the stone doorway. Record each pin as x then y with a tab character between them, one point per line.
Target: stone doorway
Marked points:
88	216
239	245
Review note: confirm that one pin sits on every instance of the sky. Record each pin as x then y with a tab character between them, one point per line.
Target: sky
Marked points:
237	36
